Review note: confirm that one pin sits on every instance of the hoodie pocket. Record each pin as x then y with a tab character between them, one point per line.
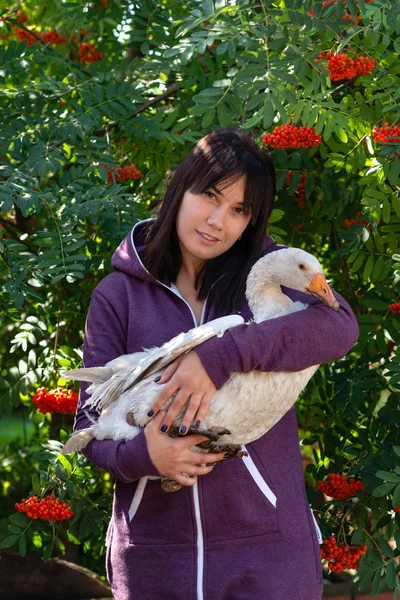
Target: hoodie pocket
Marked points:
237	501
156	517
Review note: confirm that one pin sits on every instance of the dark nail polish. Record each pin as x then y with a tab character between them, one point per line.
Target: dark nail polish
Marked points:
197	424
150	413
227	455
157	379
182	430
164	428
214	465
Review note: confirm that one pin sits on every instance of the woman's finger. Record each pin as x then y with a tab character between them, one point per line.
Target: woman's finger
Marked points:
185	479
169	371
198	470
202	410
175	408
191	410
165	394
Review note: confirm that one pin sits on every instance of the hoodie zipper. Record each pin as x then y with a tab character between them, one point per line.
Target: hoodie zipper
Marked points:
195	488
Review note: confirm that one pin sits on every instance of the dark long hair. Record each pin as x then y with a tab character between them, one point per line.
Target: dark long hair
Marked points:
224	156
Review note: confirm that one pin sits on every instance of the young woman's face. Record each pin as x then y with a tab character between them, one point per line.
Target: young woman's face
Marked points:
209	223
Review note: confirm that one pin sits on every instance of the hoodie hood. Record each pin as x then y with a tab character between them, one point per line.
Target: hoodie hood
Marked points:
127	257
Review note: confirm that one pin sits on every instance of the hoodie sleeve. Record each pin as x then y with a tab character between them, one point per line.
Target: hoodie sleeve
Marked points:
105	339
293	342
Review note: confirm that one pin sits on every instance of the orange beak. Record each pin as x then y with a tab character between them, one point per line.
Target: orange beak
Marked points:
321	290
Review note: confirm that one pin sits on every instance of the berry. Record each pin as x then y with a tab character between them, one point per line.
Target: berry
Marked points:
47	509
300	191
339	486
349	222
343	67
290	136
88	53
341	556
386	134
59	400
122	173
395	309
50	37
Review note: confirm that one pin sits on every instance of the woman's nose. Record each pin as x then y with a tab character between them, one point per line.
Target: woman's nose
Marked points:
216	217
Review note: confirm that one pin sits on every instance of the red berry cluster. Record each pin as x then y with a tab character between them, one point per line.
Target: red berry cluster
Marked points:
59	400
300	192
346	16
50	37
349	222
339	486
88	53
397	509
20	17
343	67
98	6
53	37
290	136
386	134
341	556
395	308
122	173
47	509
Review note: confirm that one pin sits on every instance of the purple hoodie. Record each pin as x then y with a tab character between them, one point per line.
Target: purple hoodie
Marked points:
244	531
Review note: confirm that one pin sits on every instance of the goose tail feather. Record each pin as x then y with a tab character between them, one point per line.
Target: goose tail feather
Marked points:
94	374
77	441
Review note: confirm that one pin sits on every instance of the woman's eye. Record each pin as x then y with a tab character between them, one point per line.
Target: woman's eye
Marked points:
210	194
239	211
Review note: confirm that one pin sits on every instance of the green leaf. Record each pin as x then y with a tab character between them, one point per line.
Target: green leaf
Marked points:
208	118
9	541
19	519
48	551
268	114
395	200
67	465
22	545
384	546
387	476
376	582
223	116
396	497
383	490
369	265
391	573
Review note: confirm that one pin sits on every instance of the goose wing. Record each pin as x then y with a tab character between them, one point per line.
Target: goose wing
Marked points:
156	359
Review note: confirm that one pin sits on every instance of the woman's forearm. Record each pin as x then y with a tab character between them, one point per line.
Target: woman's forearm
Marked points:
293	342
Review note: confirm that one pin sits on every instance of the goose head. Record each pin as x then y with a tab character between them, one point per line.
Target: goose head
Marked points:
292	267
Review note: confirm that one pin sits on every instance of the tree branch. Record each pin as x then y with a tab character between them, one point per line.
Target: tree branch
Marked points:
48	47
345	269
155	100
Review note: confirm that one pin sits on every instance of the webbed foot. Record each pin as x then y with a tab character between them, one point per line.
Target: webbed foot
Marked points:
170	485
234	450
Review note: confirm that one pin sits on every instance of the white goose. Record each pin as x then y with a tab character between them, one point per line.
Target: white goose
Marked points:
249	404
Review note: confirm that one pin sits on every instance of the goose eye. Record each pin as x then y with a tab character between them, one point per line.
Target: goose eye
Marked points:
302	267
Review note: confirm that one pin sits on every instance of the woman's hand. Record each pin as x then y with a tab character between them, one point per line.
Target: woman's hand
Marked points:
174	458
186	376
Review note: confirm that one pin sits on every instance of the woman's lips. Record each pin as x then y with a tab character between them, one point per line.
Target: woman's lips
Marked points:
210	240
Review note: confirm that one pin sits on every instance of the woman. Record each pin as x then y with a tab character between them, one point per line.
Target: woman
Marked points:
235	532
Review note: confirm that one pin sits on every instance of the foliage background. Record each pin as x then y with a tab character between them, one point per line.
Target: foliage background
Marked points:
171	73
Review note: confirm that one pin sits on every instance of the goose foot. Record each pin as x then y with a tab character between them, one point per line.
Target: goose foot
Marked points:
234	450
130	419
213	433
170	485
